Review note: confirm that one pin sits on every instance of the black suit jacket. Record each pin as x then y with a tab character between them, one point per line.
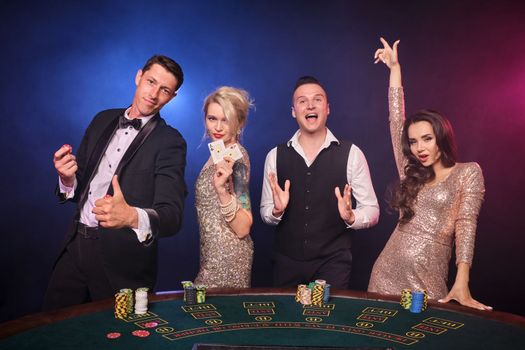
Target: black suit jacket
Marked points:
151	176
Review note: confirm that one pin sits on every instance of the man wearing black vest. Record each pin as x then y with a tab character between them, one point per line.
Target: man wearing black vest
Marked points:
128	180
302	196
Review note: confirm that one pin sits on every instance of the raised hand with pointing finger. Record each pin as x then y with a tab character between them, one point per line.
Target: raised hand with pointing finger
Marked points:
387	54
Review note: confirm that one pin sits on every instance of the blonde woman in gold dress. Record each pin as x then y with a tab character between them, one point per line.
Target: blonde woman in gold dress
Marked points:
438	200
222	198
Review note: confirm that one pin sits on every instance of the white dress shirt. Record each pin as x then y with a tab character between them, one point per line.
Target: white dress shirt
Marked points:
357	174
102	179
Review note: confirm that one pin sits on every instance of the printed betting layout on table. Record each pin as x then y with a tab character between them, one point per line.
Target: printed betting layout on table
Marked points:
196	318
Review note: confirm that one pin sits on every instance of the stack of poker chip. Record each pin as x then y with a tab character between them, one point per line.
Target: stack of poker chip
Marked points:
317	294
326	295
419	301
141	301
406	298
425	300
306	296
190	293
129	299
299	291
326	290
321	282
200	291
121	305
185	286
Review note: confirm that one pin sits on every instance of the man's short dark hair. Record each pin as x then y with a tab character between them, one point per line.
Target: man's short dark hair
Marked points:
306	79
169	64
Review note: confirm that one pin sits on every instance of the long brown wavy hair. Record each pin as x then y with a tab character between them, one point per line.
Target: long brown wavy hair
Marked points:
416	175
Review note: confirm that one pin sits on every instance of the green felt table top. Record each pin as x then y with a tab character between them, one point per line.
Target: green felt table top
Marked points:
274	319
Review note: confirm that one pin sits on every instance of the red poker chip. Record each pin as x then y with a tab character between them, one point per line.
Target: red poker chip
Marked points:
140	333
151	324
113	335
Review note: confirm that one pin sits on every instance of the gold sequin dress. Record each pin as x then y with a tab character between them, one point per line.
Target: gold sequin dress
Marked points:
417	254
225	260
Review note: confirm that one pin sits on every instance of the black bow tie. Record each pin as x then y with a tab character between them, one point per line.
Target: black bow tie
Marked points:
124	122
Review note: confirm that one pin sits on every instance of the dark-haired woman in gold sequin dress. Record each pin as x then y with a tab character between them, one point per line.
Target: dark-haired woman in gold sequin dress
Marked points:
222	198
438	200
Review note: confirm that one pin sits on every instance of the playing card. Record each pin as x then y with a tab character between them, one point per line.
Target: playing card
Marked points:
233	152
216	149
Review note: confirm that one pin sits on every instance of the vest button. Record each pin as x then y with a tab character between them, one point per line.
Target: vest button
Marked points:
308	173
307	207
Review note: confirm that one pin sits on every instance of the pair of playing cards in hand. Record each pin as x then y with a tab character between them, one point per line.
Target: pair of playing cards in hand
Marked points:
219	151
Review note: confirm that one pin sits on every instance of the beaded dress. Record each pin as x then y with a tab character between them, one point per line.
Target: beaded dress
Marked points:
225	260
417	253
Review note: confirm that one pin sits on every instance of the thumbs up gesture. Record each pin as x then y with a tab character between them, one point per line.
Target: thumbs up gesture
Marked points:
114	211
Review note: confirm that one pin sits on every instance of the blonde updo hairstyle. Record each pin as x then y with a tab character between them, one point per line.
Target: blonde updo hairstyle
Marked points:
235	104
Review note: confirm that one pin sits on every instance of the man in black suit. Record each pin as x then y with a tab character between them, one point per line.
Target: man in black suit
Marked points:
128	181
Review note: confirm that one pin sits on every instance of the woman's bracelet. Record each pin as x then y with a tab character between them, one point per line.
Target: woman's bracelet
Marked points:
229	210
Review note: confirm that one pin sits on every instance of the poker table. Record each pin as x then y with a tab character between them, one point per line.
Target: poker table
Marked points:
266	319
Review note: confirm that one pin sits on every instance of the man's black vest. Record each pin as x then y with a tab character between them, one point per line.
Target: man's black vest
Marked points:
311	226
